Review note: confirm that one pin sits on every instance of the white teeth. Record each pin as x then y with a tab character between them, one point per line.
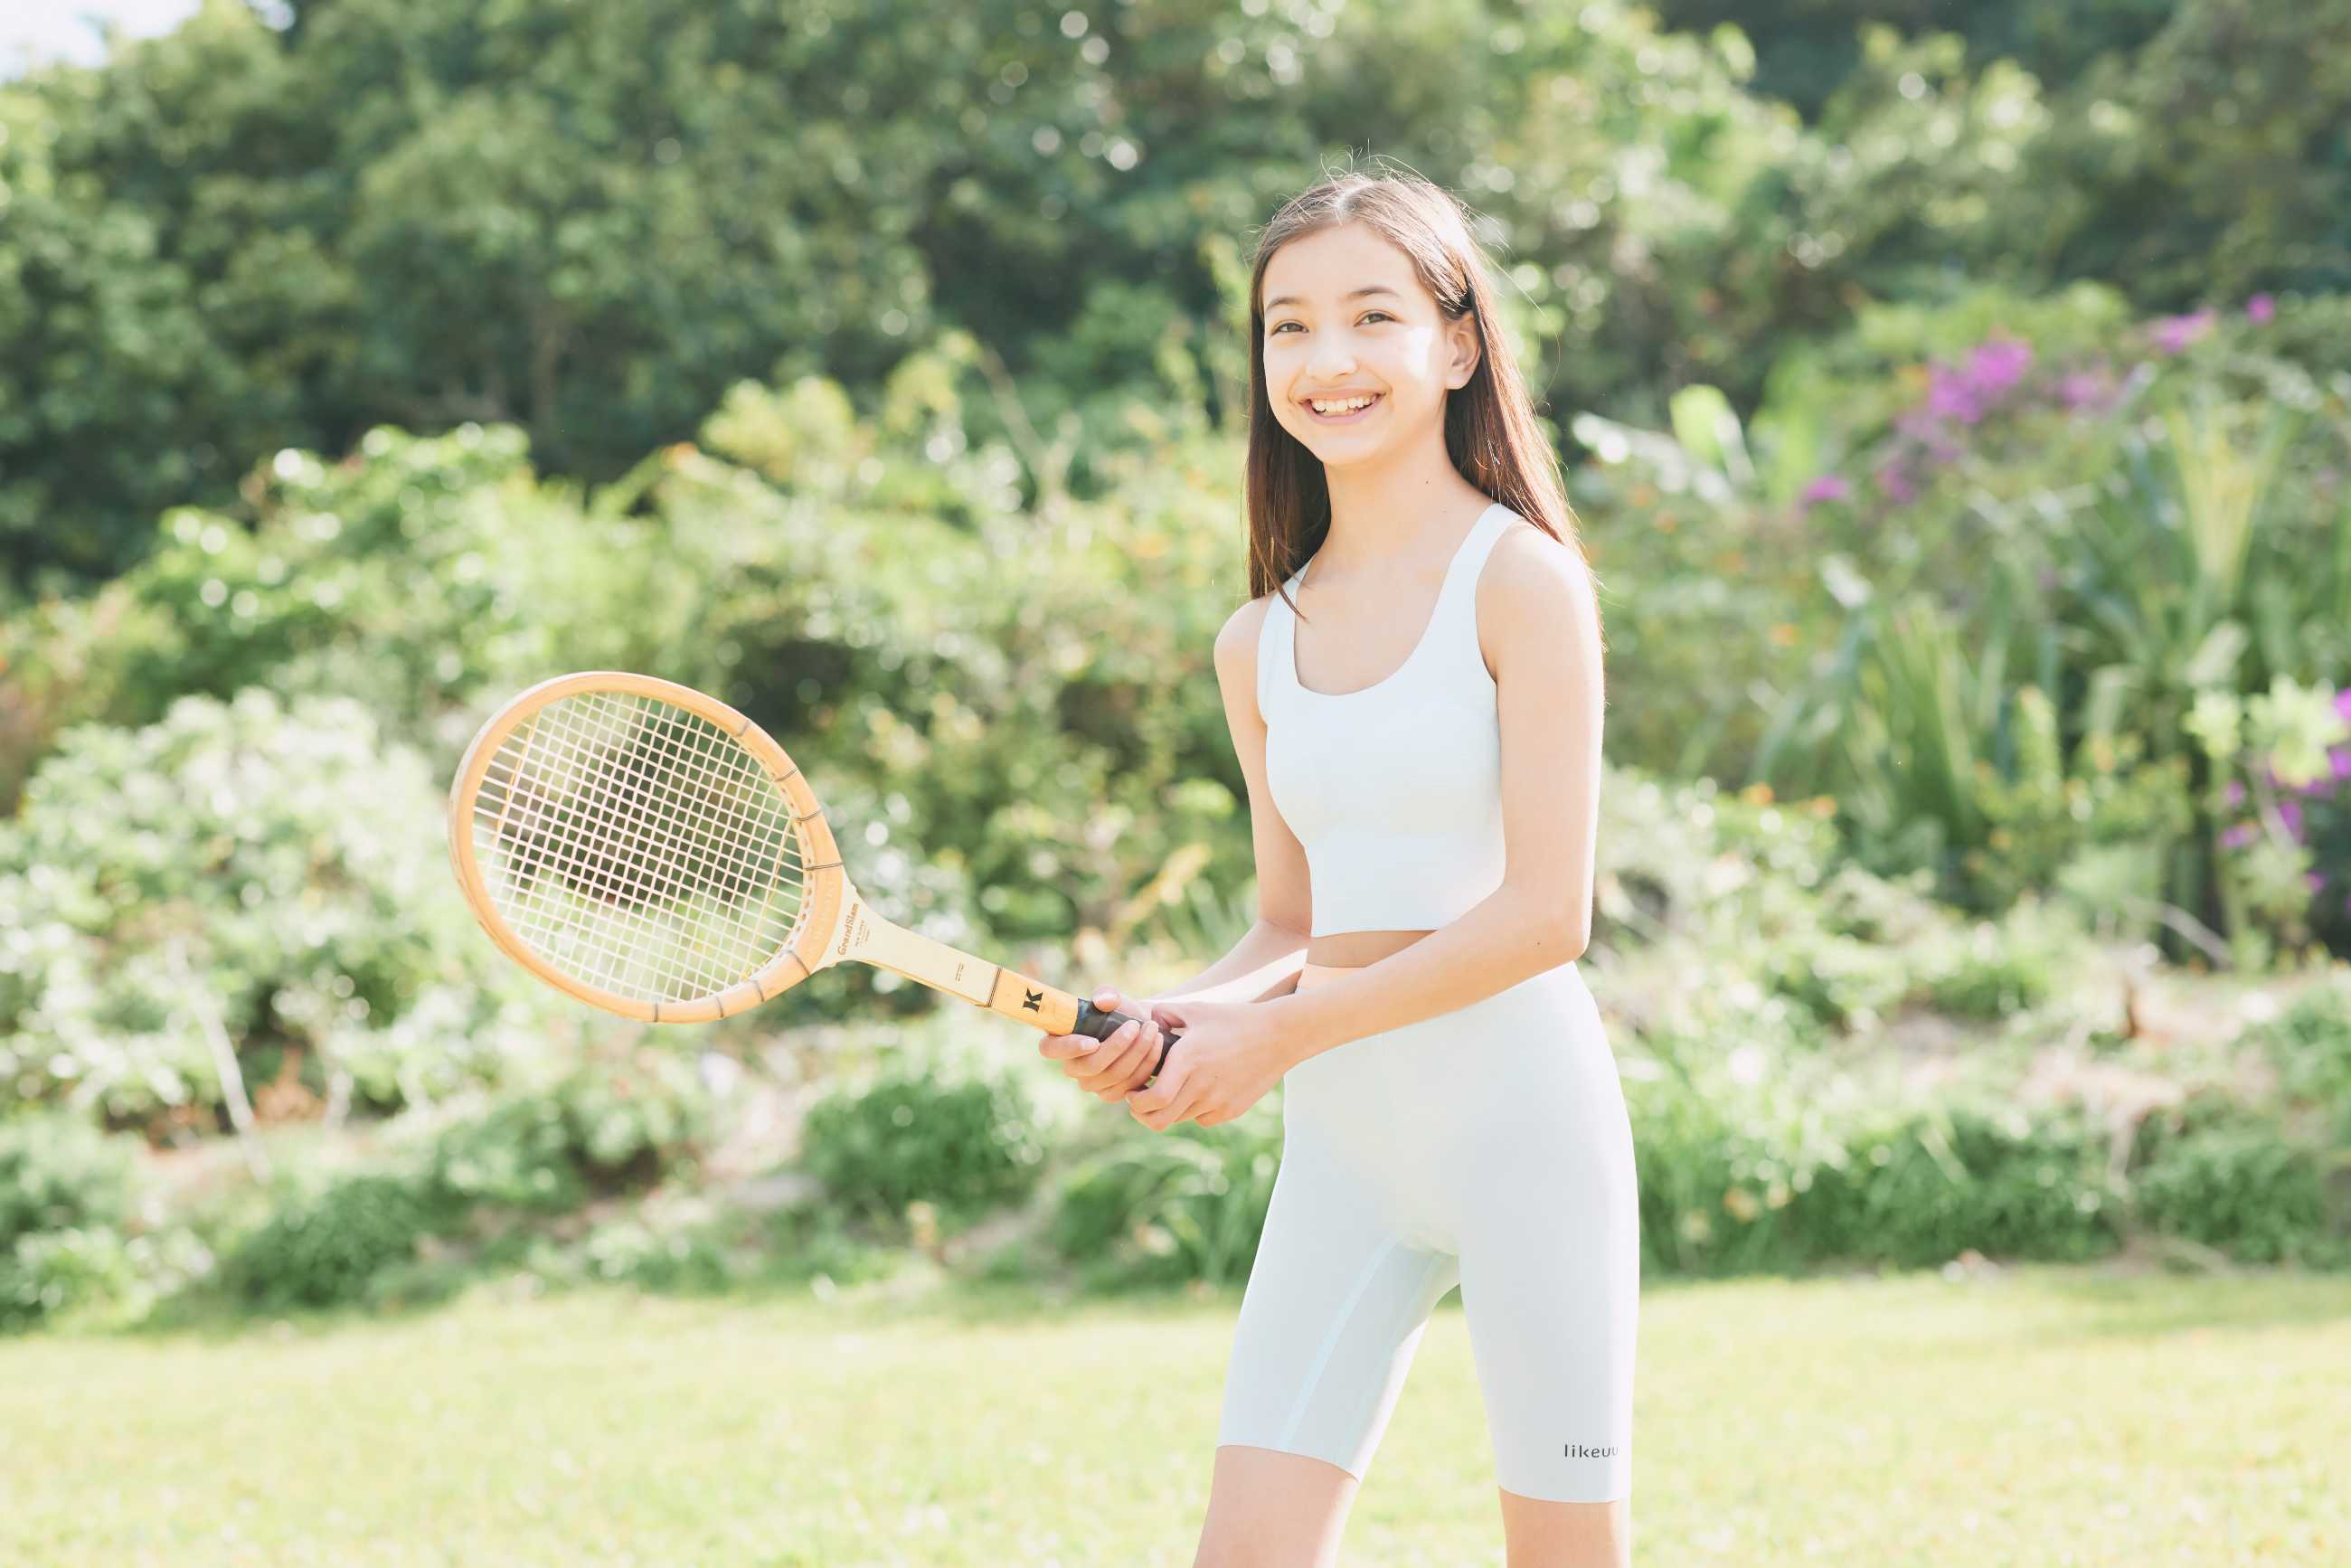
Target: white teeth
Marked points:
1347	407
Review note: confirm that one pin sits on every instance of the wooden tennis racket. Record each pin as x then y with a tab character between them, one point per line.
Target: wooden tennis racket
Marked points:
652	852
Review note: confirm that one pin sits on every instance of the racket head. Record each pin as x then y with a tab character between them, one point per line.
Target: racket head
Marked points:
644	847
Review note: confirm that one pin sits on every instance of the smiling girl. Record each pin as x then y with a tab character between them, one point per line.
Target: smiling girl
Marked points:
1414	694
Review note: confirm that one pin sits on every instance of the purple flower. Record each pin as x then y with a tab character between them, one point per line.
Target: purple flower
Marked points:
2338	761
2082	388
2238	837
1999	365
2342	705
2290	813
2173	333
2260	308
1951	395
2235	793
1827	487
1896	484
2314	880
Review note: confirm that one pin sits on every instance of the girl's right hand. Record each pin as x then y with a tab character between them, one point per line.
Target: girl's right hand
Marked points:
1108	1068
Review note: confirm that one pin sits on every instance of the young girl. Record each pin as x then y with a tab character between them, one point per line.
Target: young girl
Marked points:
1418	716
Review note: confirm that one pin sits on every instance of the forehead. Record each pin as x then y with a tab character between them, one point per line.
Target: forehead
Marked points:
1335	265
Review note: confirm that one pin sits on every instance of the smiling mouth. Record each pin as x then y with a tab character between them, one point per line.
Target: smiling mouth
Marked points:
1349	418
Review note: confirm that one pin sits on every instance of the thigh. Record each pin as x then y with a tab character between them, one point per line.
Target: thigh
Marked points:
1337	1299
1548	1210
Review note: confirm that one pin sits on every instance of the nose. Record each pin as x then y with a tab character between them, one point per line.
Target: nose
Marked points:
1325	366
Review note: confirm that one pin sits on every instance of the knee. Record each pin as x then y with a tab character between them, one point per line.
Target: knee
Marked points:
1270	1509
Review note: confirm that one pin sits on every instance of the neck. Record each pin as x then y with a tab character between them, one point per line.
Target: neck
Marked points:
1395	512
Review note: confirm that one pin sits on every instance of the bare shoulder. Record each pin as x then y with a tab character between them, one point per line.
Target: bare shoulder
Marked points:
1533	587
1236	651
1237	641
1240	630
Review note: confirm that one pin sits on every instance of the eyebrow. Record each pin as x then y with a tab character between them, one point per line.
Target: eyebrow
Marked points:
1357	294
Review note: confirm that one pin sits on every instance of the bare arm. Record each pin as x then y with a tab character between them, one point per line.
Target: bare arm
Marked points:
1545	635
1264	963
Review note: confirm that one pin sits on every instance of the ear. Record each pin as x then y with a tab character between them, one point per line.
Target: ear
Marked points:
1462	335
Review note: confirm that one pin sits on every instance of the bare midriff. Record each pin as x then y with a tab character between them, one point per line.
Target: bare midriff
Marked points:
1353	949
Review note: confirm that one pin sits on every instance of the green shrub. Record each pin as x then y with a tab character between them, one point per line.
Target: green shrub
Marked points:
634	1120
1925	1184
1782	1178
323	1247
516	1153
2308	1044
1185	1205
275	873
59	1173
621	1124
811	1242
2229	1176
1992	976
679	1259
52	1271
964	1141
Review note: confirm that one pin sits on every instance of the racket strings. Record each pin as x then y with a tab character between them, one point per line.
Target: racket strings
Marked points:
638	847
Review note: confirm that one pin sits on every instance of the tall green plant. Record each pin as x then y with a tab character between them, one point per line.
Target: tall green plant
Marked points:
2173	582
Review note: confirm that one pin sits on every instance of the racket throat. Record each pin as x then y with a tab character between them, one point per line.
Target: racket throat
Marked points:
864	936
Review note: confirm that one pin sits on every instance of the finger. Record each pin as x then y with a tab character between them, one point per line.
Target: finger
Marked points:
1112	1071
1064	1047
1094	1053
1095	1070
1162	1101
1188	1100
1161	1091
1146	1064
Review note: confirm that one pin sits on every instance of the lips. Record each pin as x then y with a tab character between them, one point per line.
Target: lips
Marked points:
1363	413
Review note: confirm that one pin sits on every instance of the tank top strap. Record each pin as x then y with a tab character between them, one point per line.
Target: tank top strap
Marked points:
1275	669
1454	623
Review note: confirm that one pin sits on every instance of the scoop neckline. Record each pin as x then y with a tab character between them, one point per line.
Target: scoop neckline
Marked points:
1452	565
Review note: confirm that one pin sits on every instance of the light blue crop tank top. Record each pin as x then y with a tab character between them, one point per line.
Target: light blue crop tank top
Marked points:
1395	789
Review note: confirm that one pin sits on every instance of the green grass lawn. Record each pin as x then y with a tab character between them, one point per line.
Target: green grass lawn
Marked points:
2040	1416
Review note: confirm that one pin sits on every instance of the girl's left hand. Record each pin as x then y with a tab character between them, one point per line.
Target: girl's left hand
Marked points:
1227	1056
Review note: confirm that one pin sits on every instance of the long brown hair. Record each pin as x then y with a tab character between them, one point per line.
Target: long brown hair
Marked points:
1489	421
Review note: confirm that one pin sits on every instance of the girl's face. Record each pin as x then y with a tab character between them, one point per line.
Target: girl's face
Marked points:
1345	319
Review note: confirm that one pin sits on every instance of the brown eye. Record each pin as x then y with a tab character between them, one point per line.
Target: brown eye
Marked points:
1365	317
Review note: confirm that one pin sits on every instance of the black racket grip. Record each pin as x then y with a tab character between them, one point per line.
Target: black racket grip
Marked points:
1094	1022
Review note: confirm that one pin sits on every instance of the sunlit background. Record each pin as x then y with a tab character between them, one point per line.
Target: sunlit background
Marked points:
74	30
1953	401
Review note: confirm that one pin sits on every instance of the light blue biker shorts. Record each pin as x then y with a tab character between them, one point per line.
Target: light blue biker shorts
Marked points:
1489	1148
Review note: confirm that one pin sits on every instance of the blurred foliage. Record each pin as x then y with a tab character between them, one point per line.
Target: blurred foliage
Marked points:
621	1121
254	872
2220	1172
1805	49
1157	1209
324	1243
59	1173
961	1141
1963	444
589	223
